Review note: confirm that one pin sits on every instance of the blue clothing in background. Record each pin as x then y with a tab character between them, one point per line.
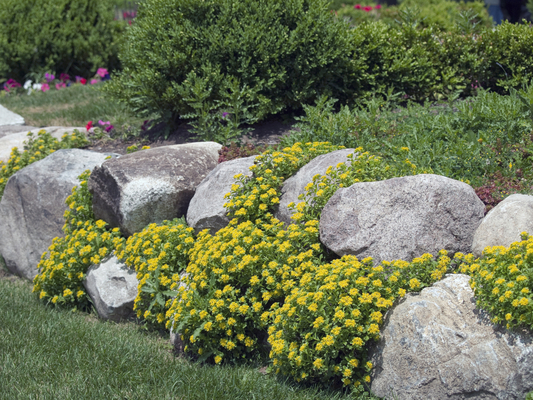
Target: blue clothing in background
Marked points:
495	11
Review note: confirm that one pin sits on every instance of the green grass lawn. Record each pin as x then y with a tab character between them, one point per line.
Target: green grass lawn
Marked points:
72	106
48	353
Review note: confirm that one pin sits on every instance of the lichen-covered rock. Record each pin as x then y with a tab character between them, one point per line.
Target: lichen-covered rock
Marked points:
33	204
437	345
504	223
295	185
112	287
401	218
206	209
150	185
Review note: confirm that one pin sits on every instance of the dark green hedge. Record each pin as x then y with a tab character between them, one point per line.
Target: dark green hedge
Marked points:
72	36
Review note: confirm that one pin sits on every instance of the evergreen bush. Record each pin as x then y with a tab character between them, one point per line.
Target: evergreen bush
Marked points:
64	36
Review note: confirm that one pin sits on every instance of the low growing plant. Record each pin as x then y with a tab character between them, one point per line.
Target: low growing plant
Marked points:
502	280
159	253
87	242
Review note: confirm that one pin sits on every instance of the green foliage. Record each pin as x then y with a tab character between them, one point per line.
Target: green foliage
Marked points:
87	242
72	36
35	149
185	58
159	253
467	140
502	280
321	331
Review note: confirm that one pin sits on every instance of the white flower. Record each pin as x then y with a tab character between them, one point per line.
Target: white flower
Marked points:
37	86
27	84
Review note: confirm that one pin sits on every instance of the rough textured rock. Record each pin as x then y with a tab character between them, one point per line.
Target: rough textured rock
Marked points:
504	223
112	287
401	218
437	345
32	207
295	185
11	140
149	186
9	117
206	210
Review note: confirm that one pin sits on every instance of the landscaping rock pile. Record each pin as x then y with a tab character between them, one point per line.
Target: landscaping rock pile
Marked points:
434	345
33	204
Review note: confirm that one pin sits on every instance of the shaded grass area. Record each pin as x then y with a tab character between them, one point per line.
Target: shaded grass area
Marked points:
72	106
48	353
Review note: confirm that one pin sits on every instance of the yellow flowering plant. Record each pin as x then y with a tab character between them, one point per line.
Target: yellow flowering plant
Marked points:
159	253
320	332
255	197
36	148
63	267
235	280
360	167
502	280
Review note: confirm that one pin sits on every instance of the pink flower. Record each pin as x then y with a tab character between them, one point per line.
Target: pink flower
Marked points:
104	123
45	87
89	125
60	85
377	7
49	77
367	8
102	72
108	128
64	77
357	6
93	81
11	84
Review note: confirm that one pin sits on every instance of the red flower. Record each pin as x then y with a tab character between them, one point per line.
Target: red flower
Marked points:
367	8
83	81
357	6
89	125
377	7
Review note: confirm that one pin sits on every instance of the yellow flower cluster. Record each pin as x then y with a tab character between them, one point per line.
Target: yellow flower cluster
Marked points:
234	282
35	149
63	267
502	280
320	331
254	198
158	254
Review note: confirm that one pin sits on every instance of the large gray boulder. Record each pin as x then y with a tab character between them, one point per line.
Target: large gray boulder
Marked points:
112	287
149	186
504	223
33	204
206	209
295	185
401	218
437	345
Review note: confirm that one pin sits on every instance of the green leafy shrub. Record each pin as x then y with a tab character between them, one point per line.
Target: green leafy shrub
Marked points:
248	58
469	140
63	267
502	280
70	36
159	253
320	332
35	149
